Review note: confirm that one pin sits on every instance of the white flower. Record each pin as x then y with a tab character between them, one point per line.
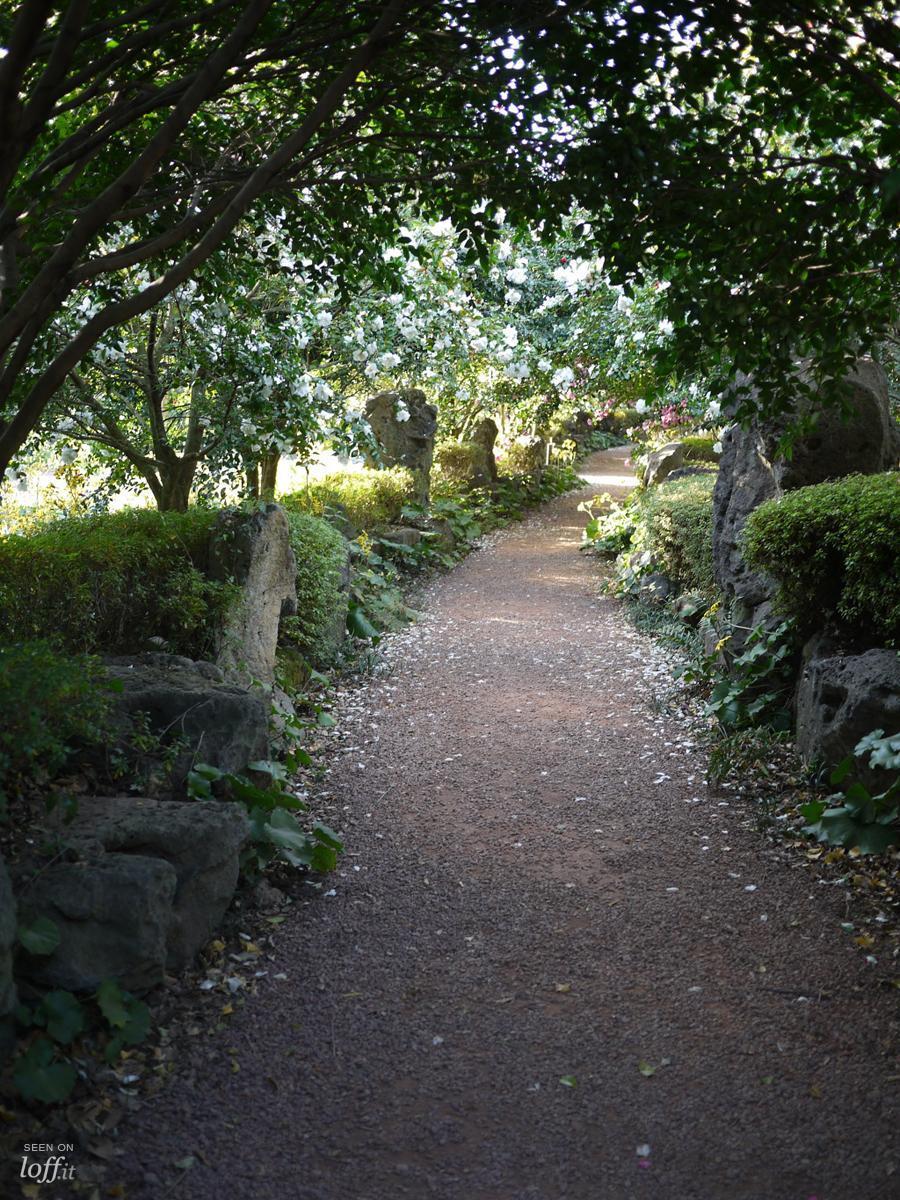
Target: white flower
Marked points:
500	216
640	406
323	391
666	327
247	427
391	253
68	454
66	425
324	318
370	370
544	364
513	296
517	275
395	299
505	355
389	360
623	304
713	410
518	371
479	345
504	250
510	335
717	448
402	412
442	228
563	378
639	335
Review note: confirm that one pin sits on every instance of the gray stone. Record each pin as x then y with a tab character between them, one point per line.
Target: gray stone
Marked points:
752	471
662	462
253	550
656	588
202	840
401	535
113	912
220	724
408	443
7	942
483	438
842	698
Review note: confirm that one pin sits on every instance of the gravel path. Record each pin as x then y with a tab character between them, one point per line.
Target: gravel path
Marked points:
545	890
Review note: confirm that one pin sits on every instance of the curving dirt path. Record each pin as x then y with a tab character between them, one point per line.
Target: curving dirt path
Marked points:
546	889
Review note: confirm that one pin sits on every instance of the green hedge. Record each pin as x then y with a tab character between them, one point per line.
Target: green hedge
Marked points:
458	463
110	583
51	705
676	523
367	498
698	448
833	548
321	553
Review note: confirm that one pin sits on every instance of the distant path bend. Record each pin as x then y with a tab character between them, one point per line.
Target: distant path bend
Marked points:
546	889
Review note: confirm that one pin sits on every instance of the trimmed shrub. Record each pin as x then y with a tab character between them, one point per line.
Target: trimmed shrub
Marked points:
832	548
52	705
676	524
321	553
698	448
458	463
112	582
366	498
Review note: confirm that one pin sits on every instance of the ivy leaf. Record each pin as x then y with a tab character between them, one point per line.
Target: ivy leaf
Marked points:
38	1076
41	937
64	1015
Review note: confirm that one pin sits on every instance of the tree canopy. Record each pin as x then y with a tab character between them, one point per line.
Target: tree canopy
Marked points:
744	154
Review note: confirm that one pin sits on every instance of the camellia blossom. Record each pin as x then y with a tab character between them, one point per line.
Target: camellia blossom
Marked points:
640	406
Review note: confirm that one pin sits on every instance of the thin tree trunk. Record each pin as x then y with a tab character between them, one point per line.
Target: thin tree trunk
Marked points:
268	473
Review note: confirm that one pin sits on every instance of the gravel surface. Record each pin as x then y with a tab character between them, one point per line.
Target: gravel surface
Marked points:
546	890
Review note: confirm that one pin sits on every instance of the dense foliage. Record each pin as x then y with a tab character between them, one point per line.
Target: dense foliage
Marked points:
111	583
359	499
832	548
52	705
321	556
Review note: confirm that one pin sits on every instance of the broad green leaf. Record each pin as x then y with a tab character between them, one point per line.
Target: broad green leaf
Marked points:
41	937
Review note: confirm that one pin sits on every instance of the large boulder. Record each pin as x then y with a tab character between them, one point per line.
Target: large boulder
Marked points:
190	702
113	912
7	942
752	470
405	424
151	882
842	698
202	840
253	550
662	462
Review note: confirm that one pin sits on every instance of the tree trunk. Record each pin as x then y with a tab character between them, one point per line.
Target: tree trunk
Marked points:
251	476
268	473
177	478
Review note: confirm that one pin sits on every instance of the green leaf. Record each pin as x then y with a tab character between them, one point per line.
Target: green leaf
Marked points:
64	1014
41	937
569	1081
327	835
38	1076
646	1069
112	1003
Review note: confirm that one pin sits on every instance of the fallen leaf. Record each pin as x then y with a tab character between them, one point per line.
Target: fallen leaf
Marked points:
185	1164
569	1081
564	988
646	1069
